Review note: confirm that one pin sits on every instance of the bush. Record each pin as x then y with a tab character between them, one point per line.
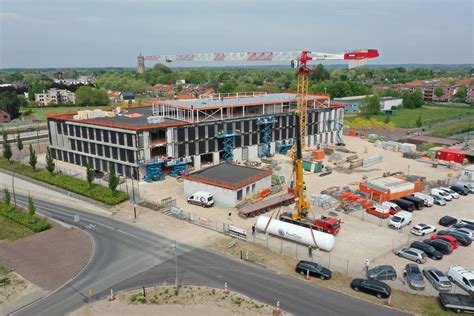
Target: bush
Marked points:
16	215
60	180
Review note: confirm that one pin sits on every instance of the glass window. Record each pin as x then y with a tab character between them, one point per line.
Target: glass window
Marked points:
239	195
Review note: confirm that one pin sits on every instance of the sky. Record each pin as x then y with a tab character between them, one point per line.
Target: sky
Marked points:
111	33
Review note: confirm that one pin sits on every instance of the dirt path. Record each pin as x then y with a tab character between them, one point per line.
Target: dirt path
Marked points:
48	259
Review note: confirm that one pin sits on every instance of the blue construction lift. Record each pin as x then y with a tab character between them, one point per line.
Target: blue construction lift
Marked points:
179	165
340	125
154	169
283	146
266	125
229	143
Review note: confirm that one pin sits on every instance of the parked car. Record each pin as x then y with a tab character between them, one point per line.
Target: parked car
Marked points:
428	199
459	189
404	204
422	229
467	221
446	238
442	194
394	208
466	185
413	276
202	198
438	279
430	251
373	287
463	239
453	194
383	272
463	230
443	246
464	225
313	269
457	302
418	203
400	219
447	221
412	254
463	277
438	200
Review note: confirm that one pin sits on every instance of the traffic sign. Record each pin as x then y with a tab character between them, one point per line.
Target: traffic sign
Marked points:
76	218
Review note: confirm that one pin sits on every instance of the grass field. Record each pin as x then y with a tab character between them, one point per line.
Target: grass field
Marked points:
430	114
9	230
42	113
454	128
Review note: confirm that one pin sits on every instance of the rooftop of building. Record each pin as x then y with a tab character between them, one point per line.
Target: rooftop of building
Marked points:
229	176
238	100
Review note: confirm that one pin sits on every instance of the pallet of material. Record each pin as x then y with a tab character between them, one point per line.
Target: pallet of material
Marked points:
352	157
370	161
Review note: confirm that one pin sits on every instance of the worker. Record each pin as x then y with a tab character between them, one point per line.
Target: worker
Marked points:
230	214
367	264
253	229
310	251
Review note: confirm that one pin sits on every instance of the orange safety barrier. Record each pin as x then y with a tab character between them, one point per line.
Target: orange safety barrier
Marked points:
265	193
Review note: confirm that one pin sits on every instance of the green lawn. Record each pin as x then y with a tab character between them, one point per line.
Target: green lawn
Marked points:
42	113
454	128
406	118
9	230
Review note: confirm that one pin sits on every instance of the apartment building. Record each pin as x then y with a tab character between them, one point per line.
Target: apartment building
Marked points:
55	96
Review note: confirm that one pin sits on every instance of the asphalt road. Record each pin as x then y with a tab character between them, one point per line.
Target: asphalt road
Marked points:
128	257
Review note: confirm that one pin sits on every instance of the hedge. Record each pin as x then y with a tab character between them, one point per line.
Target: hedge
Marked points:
22	218
60	180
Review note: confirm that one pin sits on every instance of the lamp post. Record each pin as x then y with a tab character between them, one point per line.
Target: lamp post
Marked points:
134	204
176	265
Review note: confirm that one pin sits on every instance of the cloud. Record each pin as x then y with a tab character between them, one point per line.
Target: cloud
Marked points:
9	16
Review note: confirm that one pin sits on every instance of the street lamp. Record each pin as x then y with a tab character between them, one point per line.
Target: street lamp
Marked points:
176	265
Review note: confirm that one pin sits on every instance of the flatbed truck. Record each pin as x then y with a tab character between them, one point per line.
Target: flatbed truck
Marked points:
252	210
457	302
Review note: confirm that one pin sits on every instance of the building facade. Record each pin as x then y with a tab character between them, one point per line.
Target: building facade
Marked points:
352	104
55	96
187	129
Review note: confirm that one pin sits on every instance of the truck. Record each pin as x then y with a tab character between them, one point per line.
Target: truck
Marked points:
417	202
379	210
252	210
457	302
326	224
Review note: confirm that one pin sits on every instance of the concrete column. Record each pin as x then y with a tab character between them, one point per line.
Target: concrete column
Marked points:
253	152
237	154
197	162
146	145
215	158
273	147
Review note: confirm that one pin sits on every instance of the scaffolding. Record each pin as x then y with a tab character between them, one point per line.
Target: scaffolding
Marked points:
229	143
266	125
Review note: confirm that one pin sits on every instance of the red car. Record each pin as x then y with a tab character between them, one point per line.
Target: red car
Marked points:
453	241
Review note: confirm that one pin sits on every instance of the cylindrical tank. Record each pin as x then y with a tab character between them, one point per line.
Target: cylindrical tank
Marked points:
296	233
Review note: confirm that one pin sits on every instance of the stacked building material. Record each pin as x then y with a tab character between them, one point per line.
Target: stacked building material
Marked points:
372	160
335	157
407	147
392	146
412	155
323	200
356	163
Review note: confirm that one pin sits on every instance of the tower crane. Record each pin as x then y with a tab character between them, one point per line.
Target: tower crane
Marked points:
298	60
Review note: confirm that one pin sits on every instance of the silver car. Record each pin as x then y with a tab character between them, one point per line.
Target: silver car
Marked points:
412	254
463	230
438	279
413	277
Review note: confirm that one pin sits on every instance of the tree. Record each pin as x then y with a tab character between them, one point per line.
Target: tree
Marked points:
113	180
33	158
439	92
90	173
11	103
419	122
139	101
228	87
387	119
50	165
320	74
88	96
6	196
461	94
407	102
31	206
370	105
418	99
7	149
19	142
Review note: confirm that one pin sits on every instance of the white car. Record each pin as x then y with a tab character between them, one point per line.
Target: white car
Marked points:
442	194
464	278
467	221
422	229
453	194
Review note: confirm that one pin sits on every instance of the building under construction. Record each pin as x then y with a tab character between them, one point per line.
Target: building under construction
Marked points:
171	136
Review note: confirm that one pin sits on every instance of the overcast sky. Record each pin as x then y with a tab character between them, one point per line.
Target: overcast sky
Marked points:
88	33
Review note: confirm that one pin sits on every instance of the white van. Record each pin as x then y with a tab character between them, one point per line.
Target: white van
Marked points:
429	201
202	198
442	194
453	194
400	219
394	208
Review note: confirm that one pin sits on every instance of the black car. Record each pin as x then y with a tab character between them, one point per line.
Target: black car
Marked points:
443	246
404	204
430	251
383	272
460	190
313	269
447	221
373	287
463	239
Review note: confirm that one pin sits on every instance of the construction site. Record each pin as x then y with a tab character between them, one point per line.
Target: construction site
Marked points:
276	170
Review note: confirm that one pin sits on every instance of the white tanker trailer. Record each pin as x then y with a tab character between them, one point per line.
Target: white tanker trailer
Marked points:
296	233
